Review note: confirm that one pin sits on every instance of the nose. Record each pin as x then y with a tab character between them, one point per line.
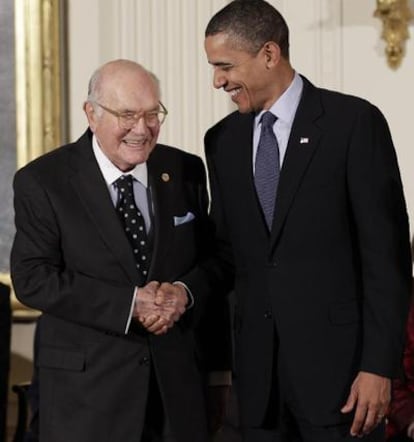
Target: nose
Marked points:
140	125
219	79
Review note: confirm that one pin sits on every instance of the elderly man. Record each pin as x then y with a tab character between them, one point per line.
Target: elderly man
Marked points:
106	229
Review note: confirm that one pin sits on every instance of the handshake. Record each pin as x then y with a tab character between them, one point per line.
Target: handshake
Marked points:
159	305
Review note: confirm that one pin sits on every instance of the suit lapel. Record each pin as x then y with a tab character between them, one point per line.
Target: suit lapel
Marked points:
162	182
238	148
246	136
90	186
303	142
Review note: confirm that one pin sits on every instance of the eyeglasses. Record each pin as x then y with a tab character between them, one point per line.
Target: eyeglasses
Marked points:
127	120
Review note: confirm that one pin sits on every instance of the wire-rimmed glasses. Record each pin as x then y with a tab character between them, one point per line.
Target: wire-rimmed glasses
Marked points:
127	120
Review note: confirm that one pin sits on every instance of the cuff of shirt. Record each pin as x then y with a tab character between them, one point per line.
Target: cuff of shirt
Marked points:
131	310
219	378
189	294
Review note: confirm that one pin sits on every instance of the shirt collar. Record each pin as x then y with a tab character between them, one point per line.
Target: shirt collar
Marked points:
286	105
111	173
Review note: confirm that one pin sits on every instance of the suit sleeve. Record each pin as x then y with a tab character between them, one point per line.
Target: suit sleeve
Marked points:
381	227
216	269
213	333
41	278
213	329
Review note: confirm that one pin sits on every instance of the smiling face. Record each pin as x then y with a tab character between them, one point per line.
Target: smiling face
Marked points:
124	87
248	78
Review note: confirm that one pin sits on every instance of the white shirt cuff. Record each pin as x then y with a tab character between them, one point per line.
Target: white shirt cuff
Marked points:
131	310
189	294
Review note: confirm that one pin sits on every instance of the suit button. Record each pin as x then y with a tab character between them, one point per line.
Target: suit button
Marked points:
144	361
268	314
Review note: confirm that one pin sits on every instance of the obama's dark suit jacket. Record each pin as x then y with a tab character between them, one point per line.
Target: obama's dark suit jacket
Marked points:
72	260
325	293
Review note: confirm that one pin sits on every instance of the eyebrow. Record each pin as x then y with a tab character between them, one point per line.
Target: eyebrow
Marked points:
220	63
130	111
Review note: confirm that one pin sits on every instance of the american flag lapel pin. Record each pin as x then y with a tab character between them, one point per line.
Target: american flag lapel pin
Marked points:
304	140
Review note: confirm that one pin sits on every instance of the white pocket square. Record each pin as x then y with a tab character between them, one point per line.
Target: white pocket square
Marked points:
178	220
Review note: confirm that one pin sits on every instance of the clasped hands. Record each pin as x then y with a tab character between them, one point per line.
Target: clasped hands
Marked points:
159	305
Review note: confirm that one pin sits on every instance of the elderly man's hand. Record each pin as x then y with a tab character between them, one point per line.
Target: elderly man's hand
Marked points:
169	302
144	301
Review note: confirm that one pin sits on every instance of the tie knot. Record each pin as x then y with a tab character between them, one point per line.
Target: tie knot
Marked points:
123	182
268	119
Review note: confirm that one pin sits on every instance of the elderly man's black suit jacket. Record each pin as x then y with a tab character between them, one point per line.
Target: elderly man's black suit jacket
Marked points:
72	260
327	290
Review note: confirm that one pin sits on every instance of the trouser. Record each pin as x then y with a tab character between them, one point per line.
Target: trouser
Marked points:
284	422
291	429
156	425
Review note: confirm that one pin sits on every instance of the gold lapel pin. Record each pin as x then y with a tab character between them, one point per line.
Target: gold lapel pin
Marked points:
165	177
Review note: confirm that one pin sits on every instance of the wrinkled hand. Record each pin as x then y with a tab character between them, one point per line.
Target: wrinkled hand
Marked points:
410	430
144	301
217	404
370	396
171	299
147	311
169	303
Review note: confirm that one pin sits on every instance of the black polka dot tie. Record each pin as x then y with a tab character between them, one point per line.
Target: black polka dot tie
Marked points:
133	222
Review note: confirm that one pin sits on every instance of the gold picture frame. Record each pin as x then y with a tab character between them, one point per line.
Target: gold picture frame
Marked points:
40	92
39	74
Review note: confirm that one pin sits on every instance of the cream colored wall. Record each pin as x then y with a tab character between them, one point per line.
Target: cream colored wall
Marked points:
335	43
166	36
366	73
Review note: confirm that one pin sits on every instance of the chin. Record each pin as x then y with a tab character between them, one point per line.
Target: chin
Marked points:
130	162
140	158
244	109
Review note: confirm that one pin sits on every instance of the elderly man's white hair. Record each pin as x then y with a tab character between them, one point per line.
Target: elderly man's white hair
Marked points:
94	86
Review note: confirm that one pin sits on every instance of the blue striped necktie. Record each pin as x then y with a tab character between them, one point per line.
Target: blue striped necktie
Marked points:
267	167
